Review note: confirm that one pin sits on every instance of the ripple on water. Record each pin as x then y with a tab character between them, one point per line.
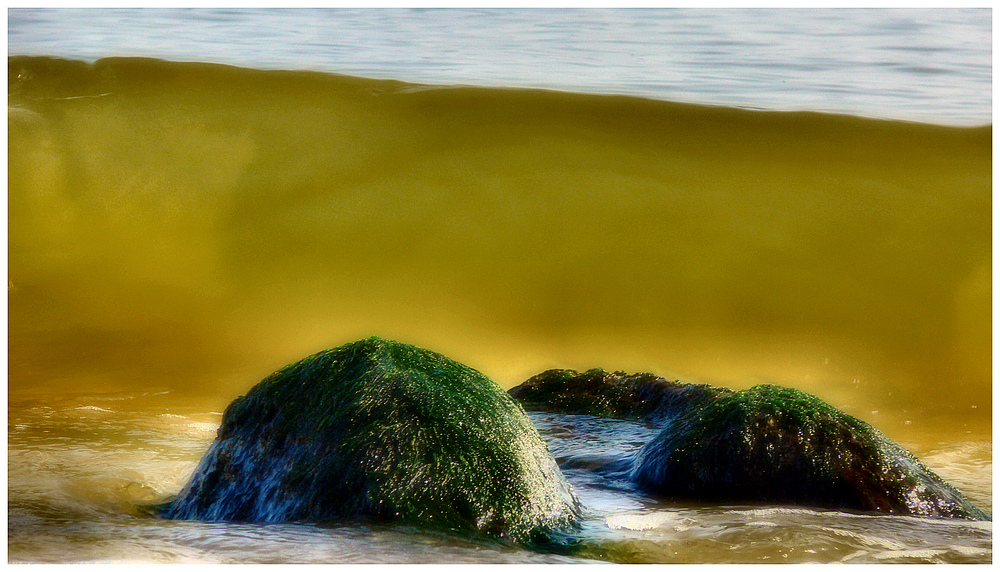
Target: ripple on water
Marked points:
747	534
75	477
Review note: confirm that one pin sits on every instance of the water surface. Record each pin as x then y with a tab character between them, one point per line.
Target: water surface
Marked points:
178	231
922	65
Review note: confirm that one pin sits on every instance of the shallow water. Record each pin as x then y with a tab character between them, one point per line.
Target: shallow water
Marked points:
81	468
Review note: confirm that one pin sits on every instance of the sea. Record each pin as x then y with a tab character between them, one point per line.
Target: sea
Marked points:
197	197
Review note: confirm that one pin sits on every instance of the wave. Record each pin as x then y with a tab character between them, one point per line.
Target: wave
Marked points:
178	224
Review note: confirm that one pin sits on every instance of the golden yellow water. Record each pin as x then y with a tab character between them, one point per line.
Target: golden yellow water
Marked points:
178	231
197	226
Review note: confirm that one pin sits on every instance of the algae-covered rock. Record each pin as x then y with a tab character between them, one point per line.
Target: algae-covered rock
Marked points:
381	430
619	395
777	445
767	444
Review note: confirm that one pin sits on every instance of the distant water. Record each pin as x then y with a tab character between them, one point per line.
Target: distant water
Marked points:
924	65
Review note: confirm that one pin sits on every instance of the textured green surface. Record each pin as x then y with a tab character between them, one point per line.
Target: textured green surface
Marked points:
773	444
379	429
767	444
605	394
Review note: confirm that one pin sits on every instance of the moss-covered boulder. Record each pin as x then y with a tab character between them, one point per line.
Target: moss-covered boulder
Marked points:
381	430
642	396
776	445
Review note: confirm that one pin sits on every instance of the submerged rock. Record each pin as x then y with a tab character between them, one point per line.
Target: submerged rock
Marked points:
767	444
642	396
381	430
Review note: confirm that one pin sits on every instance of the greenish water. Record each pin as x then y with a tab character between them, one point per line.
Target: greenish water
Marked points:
179	231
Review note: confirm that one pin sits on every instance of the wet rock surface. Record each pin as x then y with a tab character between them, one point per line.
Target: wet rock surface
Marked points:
613	394
772	445
764	445
382	431
386	431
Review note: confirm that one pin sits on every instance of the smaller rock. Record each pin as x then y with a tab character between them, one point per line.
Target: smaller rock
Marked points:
642	396
777	445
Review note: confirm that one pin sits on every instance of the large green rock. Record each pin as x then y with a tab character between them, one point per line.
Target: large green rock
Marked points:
777	445
381	430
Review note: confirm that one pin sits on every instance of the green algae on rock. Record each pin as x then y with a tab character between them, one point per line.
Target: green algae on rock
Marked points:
767	444
596	392
771	444
387	431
